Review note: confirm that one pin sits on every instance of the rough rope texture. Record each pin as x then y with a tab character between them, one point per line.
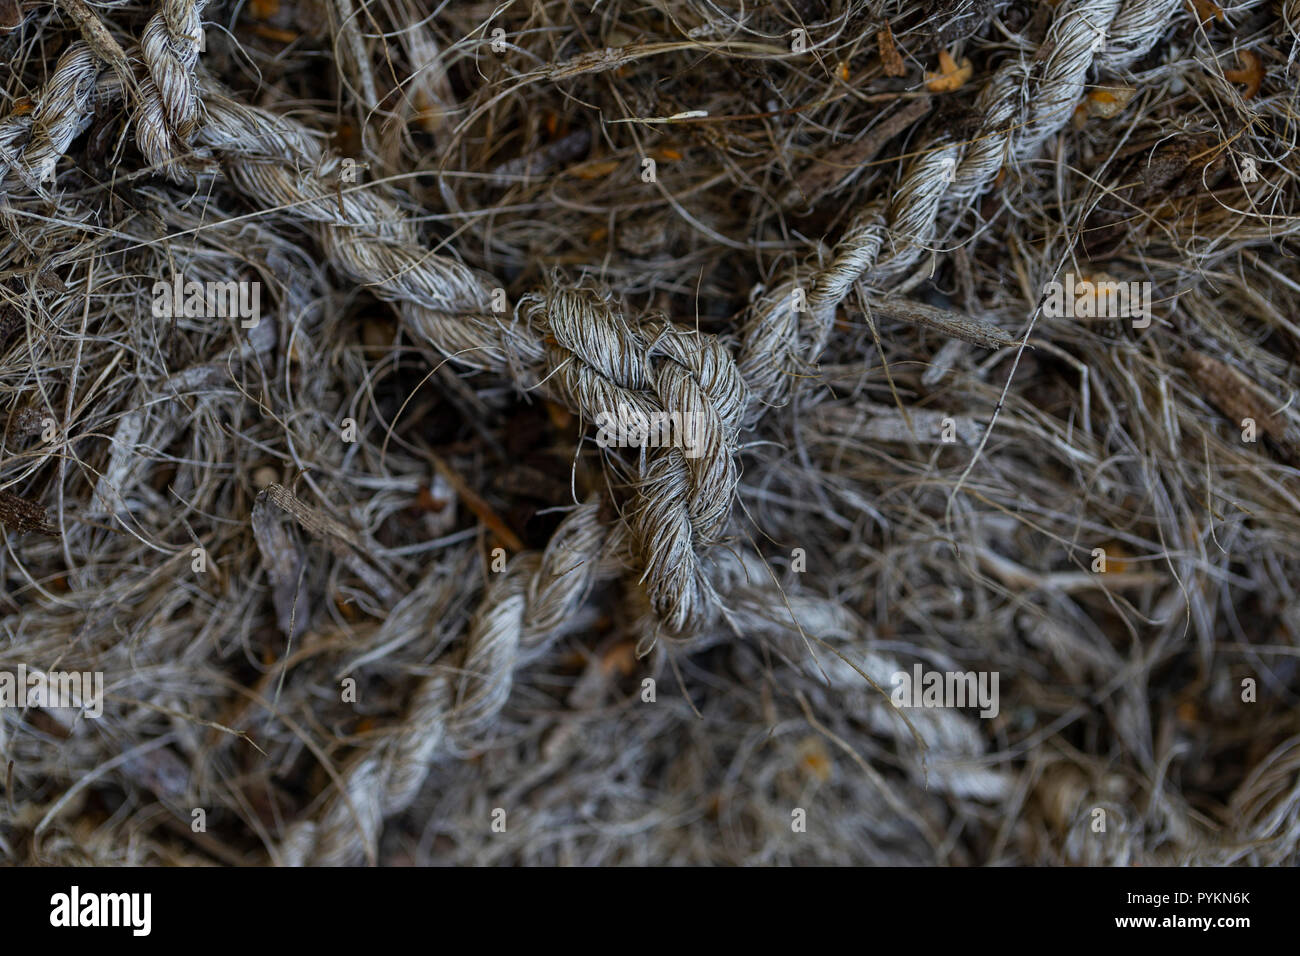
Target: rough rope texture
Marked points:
279	163
169	114
61	115
1020	107
577	346
598	360
524	609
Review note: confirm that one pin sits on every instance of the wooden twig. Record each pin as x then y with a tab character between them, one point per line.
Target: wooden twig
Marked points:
101	41
950	323
1239	398
481	509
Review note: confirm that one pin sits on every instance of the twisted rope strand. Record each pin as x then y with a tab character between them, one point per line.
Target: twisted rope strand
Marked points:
523	611
597	361
1019	112
169	112
63	111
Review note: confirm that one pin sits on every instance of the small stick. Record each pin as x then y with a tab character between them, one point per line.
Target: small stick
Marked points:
950	323
1240	398
482	510
100	40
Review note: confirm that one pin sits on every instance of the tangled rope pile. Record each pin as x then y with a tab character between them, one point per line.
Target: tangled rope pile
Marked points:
283	541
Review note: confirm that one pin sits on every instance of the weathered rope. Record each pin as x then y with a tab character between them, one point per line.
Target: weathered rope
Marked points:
594	360
281	164
1020	107
31	144
523	611
168	115
574	344
581	350
681	502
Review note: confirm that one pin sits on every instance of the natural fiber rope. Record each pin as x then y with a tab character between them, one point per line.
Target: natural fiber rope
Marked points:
574	344
1018	110
62	113
169	113
595	361
279	163
523	611
681	503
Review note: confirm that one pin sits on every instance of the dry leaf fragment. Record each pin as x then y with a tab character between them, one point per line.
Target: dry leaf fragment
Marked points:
347	608
1105	102
274	33
815	759
348	139
889	56
1252	74
951	76
11	15
1206	10
595	169
1109	101
621	658
560	416
427	113
425	501
1118	560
